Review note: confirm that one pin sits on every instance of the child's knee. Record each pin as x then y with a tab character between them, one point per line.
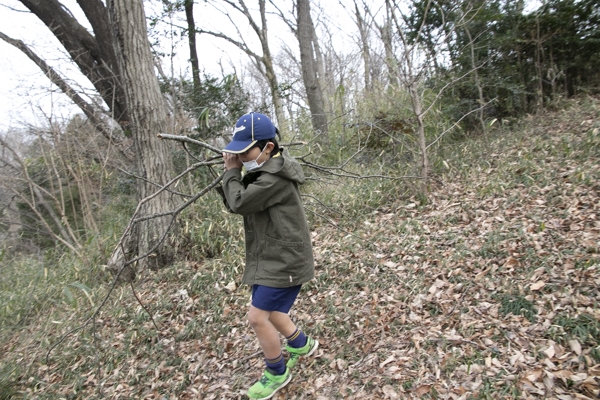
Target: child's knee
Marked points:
257	318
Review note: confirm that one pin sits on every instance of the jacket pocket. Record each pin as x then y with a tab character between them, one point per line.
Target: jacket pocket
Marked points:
282	259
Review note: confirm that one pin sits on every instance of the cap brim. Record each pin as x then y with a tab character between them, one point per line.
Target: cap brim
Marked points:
236	147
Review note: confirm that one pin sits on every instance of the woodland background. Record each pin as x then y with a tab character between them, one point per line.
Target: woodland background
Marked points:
452	157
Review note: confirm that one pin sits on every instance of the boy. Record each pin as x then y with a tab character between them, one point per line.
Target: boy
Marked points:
279	256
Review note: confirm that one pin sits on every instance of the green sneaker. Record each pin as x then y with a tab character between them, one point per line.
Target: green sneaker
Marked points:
269	384
295	353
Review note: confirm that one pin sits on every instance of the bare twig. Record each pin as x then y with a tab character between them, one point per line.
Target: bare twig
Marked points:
186	139
455	124
128	229
323	204
145	309
347	174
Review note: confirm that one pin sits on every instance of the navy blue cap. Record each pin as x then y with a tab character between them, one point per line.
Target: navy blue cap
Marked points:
249	129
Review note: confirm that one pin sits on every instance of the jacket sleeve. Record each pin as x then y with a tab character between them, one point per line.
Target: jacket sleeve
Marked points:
266	191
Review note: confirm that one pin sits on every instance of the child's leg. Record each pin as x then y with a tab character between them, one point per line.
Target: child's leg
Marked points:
266	332
277	375
283	323
298	344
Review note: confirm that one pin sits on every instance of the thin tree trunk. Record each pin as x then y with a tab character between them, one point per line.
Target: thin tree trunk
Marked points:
538	66
268	64
366	50
418	112
308	63
390	60
477	81
189	15
322	73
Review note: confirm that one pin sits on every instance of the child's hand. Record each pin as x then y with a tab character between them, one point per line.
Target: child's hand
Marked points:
231	161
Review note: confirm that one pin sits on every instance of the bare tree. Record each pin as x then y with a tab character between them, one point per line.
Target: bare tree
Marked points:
363	30
100	120
191	30
386	35
477	79
149	119
53	185
263	62
37	201
414	63
95	54
309	52
117	59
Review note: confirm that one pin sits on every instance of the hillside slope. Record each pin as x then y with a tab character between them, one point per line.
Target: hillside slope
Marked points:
489	290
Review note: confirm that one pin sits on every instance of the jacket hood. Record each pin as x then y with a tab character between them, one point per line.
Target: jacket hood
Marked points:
284	166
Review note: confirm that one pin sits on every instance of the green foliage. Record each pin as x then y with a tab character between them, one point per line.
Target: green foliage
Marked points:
209	230
216	104
520	61
516	304
8	384
29	285
71	297
584	328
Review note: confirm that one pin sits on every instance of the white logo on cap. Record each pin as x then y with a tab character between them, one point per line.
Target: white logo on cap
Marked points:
238	129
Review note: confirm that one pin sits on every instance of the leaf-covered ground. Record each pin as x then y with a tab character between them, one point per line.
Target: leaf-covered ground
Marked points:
488	290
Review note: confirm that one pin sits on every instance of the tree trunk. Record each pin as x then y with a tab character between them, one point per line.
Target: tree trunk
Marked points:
477	80
308	63
538	66
274	88
366	51
189	16
94	55
417	106
323	74
390	60
267	60
149	118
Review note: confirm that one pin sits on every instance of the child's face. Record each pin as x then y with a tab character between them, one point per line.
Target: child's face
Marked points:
256	152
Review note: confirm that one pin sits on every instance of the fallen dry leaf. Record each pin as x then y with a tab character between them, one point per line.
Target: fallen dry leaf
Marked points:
537	285
422	390
575	346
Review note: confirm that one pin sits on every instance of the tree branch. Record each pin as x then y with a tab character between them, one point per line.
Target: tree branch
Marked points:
95	117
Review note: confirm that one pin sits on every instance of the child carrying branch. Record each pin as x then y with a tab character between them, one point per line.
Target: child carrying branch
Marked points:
279	256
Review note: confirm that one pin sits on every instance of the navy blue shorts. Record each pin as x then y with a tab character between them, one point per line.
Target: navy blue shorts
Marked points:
274	299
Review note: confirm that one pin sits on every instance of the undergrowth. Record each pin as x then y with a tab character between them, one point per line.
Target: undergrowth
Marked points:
469	292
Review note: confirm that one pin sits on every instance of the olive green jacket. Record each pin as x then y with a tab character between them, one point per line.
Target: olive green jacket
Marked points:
278	245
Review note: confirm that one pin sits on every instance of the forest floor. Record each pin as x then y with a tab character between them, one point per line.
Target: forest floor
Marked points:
490	289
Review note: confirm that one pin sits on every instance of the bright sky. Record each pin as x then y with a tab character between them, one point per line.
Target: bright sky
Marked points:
26	95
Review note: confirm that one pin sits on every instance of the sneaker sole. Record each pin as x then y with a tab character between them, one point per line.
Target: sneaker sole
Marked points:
284	384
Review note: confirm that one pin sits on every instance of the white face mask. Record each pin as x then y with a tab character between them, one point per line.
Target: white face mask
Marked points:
251	165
